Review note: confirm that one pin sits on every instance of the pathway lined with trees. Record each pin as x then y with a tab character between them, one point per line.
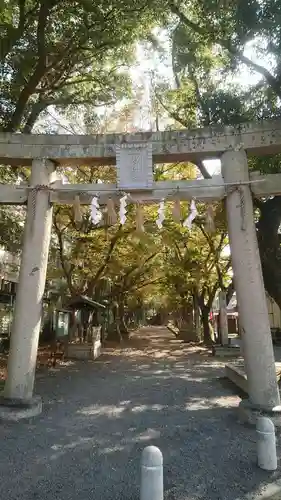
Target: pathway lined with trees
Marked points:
189	85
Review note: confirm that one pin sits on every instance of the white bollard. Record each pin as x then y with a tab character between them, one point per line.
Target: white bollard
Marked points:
151	474
266	444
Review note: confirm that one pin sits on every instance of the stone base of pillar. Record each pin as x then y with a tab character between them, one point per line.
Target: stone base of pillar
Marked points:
248	413
14	410
226	351
188	335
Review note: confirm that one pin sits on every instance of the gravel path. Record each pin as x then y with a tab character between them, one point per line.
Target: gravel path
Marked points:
98	416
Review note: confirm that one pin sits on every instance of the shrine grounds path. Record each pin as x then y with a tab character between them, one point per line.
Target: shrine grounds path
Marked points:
98	416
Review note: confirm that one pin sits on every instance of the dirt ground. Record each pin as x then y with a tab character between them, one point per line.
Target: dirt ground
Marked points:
43	362
136	345
99	415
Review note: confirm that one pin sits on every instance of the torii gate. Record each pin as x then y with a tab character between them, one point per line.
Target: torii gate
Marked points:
135	155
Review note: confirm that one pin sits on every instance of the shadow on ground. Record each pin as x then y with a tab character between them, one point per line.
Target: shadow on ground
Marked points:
98	416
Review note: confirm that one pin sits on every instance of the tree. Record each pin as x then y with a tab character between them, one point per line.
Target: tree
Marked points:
195	267
89	255
211	41
57	56
75	53
207	48
134	264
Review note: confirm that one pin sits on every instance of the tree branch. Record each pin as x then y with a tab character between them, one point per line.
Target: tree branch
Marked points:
101	269
40	70
204	172
216	253
14	34
37	108
174	114
67	272
230	291
227	45
147	283
138	268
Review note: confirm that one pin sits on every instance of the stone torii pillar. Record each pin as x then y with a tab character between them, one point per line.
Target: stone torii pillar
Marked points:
253	314
18	392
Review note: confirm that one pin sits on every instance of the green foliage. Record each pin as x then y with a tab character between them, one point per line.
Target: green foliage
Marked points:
69	58
194	260
208	53
227	70
162	269
62	54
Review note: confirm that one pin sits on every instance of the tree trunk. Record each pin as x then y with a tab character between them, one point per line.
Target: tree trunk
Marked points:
196	317
114	334
269	246
122	324
207	338
187	331
118	331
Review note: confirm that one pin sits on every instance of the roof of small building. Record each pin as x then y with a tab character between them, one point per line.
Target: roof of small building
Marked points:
84	301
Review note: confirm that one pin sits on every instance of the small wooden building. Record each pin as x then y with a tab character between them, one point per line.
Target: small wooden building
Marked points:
274	314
